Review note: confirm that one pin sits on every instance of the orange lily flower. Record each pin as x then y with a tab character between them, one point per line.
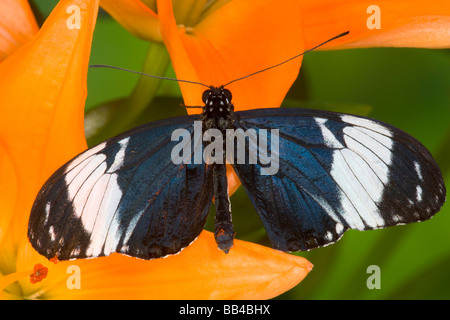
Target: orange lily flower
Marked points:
17	26
42	129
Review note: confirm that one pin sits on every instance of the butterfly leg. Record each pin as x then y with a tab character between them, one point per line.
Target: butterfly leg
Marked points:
224	232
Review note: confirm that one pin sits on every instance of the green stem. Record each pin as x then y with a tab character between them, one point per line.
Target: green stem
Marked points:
156	63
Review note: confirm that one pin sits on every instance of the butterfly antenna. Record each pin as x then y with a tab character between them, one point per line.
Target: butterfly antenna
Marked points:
145	74
292	58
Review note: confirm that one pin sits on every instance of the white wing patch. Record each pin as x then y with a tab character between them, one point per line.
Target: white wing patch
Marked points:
366	123
119	157
418	170
96	194
419	193
328	136
361	170
84	156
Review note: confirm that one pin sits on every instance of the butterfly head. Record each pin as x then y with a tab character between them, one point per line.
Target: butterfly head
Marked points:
218	110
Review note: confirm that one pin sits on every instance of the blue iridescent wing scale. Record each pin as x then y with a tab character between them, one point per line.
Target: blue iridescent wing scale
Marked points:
336	172
124	195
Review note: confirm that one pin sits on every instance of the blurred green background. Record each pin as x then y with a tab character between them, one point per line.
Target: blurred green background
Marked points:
408	88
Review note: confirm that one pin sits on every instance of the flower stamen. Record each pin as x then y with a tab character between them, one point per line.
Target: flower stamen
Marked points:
39	273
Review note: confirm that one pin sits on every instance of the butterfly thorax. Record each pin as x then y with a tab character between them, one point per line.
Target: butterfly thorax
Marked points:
218	112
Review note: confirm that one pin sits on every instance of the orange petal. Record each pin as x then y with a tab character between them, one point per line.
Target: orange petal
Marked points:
8	190
134	16
180	59
237	39
420	32
42	96
201	271
403	23
17	26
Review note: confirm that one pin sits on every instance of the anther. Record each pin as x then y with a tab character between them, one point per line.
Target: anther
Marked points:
39	273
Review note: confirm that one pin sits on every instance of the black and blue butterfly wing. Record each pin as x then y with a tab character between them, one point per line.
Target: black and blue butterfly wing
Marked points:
336	172
124	195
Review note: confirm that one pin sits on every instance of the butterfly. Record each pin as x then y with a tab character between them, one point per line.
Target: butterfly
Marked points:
327	172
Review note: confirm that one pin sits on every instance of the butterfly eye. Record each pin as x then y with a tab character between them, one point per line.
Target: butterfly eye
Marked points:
206	95
227	94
